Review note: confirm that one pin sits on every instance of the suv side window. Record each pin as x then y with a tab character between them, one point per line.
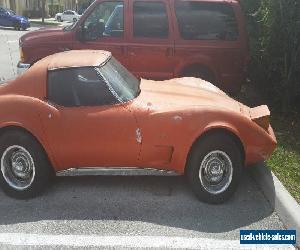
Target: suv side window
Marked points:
150	19
106	20
74	87
206	21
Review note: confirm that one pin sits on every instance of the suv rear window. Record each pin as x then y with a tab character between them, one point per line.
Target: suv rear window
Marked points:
206	21
150	20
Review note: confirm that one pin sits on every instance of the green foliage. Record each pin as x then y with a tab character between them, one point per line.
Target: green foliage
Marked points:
274	33
285	161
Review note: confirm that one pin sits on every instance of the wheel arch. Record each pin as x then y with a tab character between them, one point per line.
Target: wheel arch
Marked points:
201	62
18	127
219	130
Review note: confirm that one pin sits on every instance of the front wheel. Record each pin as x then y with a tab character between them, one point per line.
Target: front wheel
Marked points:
17	26
214	168
25	169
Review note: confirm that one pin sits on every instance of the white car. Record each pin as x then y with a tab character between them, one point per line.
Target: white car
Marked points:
68	15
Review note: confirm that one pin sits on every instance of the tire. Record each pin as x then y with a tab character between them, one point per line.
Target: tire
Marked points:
74	20
22	149
200	72
17	26
203	170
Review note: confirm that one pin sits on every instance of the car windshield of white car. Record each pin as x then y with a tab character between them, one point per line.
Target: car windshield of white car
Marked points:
121	82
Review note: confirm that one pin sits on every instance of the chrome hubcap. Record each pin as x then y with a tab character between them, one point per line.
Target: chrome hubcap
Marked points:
17	167
215	172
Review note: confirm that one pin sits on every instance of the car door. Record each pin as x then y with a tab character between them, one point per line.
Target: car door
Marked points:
4	17
66	16
86	126
151	44
105	29
71	16
207	34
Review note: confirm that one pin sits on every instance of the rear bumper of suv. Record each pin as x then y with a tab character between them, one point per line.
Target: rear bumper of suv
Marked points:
22	67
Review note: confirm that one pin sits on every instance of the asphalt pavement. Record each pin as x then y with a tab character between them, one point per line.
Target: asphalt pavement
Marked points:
125	211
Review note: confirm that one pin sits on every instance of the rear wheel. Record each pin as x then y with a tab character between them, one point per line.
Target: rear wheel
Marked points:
214	167
200	72
25	169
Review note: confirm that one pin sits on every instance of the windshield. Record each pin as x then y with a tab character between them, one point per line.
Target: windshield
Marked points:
124	85
10	12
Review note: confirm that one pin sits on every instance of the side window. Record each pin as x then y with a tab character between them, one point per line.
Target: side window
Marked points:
106	20
3	11
74	87
150	19
206	21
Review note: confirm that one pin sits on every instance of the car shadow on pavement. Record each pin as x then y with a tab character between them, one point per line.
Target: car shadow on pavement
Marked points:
263	177
7	28
163	201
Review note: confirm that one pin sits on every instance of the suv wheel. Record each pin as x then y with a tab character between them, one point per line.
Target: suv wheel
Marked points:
200	72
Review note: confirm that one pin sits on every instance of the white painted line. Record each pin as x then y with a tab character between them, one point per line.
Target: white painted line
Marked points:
13	41
14	239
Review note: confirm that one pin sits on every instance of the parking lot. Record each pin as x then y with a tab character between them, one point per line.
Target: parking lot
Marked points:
125	211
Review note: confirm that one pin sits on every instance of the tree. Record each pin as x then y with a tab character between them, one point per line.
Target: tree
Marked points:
274	29
43	10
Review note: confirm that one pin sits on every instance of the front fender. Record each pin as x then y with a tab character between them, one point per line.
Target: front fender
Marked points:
24	112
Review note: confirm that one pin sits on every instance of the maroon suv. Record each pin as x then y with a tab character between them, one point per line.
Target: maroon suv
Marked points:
156	39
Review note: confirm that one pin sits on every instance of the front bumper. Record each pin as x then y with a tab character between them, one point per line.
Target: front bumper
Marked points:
25	25
22	67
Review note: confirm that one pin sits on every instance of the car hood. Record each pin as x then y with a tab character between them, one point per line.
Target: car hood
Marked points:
43	35
182	93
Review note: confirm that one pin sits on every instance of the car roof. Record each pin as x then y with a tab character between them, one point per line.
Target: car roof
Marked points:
77	58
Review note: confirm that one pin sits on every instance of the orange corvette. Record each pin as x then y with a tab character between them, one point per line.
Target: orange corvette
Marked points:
83	109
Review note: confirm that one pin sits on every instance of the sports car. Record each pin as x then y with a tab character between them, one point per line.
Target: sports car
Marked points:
84	110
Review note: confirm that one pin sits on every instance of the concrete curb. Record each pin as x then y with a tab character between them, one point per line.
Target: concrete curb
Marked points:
280	199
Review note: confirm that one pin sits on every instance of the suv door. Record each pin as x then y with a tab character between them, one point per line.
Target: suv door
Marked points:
151	44
207	36
104	28
4	17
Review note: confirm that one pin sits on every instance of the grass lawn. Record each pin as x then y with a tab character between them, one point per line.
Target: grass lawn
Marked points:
285	161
